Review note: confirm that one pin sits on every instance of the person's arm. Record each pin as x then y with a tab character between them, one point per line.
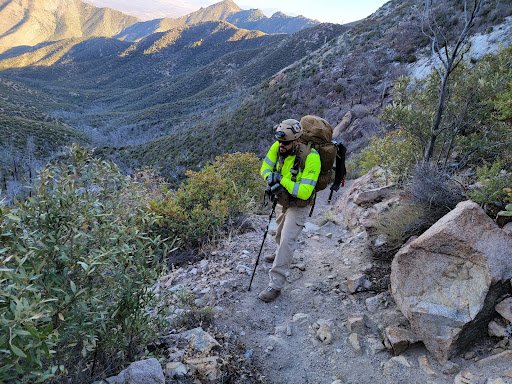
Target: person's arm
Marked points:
270	160
306	185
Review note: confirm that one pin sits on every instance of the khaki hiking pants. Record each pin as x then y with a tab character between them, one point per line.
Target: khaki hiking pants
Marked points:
290	223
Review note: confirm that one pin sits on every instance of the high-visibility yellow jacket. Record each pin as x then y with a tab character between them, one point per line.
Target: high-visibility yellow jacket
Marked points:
306	179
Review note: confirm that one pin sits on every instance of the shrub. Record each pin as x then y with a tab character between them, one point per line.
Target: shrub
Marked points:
395	226
493	182
77	262
395	152
434	188
210	200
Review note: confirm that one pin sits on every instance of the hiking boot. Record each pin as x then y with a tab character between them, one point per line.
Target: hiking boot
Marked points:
269	294
269	258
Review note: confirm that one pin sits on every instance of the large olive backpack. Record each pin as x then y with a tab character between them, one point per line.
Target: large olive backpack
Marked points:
317	133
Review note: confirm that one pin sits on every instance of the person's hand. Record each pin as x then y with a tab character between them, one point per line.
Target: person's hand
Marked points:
336	185
274	178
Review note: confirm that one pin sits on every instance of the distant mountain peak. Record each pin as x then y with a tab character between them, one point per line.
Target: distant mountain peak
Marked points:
226	5
279	15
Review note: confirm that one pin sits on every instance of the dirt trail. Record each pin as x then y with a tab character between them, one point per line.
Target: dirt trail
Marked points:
316	331
304	336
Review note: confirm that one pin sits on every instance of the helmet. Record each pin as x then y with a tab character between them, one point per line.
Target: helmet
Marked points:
288	130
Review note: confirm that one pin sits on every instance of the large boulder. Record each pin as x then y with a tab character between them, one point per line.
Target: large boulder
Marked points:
448	280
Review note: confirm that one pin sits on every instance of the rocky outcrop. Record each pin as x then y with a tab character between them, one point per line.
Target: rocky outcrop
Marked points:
448	280
367	197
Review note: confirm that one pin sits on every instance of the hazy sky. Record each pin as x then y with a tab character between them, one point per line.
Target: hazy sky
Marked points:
335	11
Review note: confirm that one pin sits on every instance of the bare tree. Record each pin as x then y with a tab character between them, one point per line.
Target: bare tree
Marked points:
448	52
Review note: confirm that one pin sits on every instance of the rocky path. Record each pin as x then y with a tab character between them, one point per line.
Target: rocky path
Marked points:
318	330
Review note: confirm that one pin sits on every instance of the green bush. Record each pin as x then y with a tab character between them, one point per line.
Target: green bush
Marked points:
395	152
210	200
492	185
77	262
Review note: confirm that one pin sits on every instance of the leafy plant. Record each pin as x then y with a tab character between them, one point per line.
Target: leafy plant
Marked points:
210	200
395	152
77	262
492	184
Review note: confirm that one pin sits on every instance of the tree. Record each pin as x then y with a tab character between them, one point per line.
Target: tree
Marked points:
448	50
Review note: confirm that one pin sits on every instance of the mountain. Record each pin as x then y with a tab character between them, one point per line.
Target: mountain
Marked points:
161	84
30	22
223	87
226	10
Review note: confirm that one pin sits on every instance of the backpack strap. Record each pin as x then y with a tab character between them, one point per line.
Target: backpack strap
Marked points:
302	151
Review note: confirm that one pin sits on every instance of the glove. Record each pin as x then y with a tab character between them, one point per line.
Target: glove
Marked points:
336	185
274	178
276	189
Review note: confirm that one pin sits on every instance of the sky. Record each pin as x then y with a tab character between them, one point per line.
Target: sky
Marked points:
334	11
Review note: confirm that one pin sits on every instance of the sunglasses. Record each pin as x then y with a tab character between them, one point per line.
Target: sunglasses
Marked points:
280	135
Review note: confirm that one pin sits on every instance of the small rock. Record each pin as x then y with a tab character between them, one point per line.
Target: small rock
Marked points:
374	345
496	330
200	340
206	366
505	309
425	365
357	283
393	364
176	369
380	241
193	271
469	355
356	324
147	371
355	342
372	303
248	354
300	318
324	333
329	235
289	330
398	339
449	368
244	269
316	238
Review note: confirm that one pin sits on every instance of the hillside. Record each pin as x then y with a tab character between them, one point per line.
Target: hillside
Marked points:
28	22
354	71
164	82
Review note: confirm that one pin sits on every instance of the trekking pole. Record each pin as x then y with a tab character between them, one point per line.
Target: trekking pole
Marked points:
330	197
263	242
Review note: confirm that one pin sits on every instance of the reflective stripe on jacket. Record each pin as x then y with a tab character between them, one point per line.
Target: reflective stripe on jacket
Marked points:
306	179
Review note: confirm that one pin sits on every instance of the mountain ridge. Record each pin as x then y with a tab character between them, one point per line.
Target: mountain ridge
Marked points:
29	22
227	10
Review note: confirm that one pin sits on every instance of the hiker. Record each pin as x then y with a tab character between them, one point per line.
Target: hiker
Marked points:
294	187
